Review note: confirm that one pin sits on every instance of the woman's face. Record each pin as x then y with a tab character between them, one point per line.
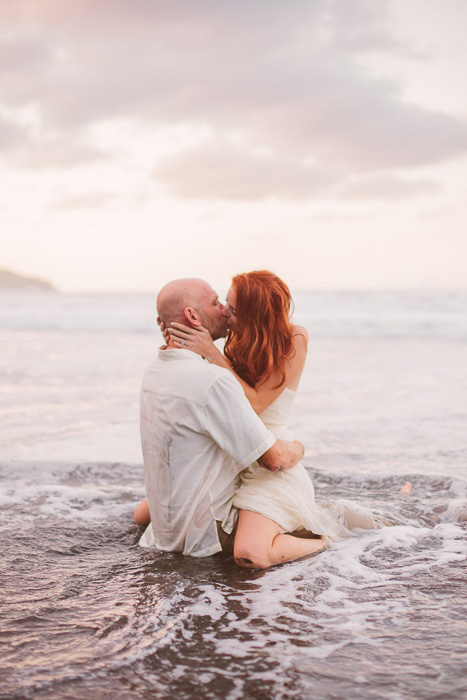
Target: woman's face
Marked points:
230	309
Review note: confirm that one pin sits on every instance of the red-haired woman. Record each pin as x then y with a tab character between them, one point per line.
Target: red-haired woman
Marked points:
267	353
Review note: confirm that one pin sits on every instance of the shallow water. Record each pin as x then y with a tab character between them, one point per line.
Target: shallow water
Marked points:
89	613
85	612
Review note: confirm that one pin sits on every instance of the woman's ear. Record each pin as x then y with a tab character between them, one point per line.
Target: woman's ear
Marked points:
192	316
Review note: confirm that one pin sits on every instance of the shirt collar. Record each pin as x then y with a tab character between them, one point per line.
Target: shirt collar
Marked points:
178	354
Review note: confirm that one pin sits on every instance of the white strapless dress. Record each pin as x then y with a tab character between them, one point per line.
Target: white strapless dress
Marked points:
288	497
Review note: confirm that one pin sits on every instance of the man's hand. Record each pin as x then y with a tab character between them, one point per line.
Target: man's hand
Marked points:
282	455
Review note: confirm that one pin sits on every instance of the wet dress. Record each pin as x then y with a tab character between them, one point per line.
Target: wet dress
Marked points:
288	497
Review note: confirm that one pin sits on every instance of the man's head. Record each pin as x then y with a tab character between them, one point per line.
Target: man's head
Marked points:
192	302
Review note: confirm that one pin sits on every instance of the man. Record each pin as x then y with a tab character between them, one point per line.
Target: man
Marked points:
198	432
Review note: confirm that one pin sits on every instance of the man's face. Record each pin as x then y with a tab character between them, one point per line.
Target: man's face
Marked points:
211	310
230	313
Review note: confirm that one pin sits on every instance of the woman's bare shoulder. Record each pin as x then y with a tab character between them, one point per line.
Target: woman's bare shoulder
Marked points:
298	358
300	341
300	331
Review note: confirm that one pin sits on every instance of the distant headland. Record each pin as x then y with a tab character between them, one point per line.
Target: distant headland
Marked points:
12	281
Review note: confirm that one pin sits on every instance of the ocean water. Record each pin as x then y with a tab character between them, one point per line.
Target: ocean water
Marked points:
85	612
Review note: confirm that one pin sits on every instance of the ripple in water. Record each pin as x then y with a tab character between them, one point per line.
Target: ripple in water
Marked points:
87	613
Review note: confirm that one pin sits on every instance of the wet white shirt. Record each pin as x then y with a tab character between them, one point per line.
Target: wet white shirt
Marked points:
198	432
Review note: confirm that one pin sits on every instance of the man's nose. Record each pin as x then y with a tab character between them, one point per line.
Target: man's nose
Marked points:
225	311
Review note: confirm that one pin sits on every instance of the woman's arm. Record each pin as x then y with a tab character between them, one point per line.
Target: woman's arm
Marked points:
261	396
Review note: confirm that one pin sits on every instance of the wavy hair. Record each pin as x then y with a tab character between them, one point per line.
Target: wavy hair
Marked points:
263	340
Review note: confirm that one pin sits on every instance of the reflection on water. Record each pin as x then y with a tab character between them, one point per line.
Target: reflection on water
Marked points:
87	613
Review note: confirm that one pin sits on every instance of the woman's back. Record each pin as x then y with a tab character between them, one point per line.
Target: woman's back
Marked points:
276	415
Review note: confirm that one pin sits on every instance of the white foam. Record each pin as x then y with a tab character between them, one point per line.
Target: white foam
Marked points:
366	564
72	503
211	602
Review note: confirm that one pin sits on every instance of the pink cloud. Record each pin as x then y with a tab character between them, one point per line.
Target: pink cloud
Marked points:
285	75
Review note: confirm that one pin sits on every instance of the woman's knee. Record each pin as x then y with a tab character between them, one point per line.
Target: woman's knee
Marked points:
251	557
247	563
254	540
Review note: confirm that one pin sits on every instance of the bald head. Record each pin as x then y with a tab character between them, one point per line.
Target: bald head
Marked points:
194	303
177	295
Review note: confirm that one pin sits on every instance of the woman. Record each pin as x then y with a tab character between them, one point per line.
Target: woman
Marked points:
267	354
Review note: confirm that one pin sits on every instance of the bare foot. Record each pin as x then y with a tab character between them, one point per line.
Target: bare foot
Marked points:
407	488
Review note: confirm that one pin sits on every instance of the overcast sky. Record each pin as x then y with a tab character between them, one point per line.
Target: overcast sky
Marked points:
143	140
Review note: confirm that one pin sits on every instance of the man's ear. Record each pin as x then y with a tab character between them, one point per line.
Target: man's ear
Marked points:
192	316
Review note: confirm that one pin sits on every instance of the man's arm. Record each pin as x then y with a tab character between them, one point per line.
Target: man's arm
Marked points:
282	455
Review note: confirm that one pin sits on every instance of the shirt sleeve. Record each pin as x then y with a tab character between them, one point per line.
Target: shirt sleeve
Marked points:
232	423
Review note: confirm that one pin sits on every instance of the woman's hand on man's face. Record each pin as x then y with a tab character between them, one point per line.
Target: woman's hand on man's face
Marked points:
164	331
196	339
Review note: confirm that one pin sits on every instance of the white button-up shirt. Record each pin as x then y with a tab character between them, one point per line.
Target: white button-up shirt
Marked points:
198	432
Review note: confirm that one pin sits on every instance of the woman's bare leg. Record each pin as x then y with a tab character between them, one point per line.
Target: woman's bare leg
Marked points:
355	518
259	543
142	515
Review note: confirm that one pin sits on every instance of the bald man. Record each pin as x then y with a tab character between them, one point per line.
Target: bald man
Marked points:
198	432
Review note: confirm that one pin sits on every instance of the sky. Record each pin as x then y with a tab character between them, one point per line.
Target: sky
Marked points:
142	141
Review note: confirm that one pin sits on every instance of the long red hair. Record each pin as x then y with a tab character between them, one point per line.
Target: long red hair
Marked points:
263	340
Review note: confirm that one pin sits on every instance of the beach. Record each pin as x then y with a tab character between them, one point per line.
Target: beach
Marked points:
86	612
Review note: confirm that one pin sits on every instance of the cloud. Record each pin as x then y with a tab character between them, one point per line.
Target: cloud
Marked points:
223	171
389	187
287	76
11	135
89	200
39	154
